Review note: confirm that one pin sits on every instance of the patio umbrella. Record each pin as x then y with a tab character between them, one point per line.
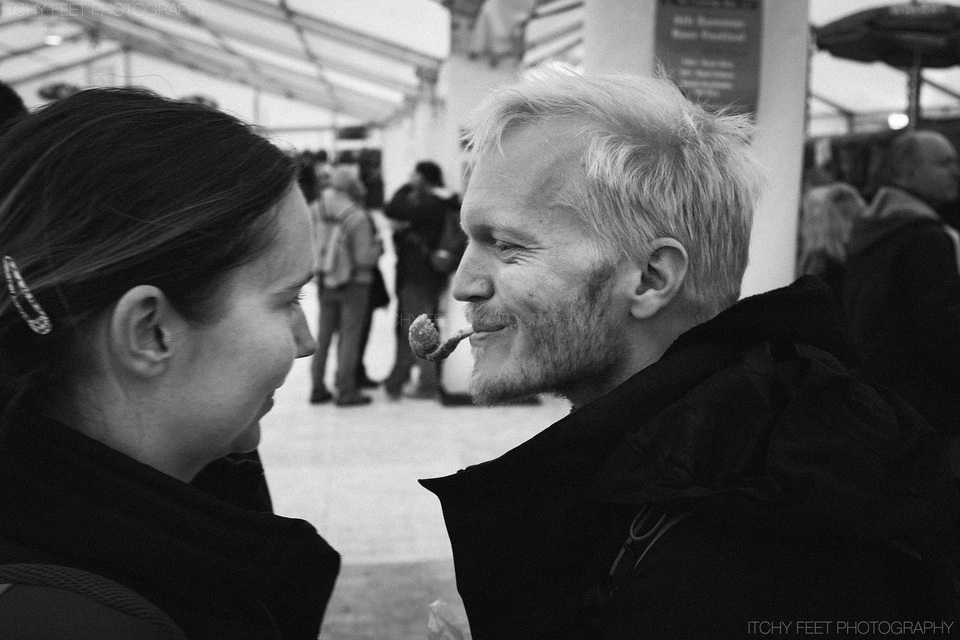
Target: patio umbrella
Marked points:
910	36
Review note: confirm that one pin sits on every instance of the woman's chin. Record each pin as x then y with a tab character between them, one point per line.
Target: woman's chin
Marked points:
249	440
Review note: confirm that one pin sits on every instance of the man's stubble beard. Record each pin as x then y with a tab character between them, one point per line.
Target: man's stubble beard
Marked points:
558	349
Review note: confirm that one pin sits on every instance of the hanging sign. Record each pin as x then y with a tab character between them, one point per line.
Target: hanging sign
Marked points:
711	49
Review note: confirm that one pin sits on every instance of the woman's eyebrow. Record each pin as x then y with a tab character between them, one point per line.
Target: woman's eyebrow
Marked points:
299	284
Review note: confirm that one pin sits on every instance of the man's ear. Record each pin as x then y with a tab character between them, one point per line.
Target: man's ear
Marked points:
660	278
141	327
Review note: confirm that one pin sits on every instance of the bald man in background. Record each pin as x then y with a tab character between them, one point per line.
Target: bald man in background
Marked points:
902	288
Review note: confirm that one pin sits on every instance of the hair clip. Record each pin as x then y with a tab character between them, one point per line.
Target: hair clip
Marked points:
40	322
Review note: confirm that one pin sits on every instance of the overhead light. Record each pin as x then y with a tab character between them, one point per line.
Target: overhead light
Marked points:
53	39
898	120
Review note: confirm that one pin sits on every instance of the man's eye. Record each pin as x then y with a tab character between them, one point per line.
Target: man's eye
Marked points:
505	247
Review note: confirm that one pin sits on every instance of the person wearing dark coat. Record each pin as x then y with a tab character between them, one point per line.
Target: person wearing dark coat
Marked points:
420	210
721	470
902	289
828	213
153	253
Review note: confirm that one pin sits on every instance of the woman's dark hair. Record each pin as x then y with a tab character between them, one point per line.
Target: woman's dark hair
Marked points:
113	188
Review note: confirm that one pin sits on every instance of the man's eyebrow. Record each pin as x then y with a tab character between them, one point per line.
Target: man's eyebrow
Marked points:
493	224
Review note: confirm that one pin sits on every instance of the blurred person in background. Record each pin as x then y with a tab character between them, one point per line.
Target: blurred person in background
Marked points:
348	249
153	253
428	244
827	218
902	284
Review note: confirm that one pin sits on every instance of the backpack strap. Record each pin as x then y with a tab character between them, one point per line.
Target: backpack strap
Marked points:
647	527
54	601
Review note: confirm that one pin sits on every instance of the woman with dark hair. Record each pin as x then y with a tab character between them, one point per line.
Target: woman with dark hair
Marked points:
153	253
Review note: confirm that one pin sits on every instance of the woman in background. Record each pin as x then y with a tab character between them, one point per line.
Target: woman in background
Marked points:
153	255
827	217
347	248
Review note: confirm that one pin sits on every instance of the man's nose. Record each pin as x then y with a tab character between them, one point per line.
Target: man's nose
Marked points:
471	282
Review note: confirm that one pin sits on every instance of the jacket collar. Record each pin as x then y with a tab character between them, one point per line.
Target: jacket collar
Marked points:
178	546
690	427
574	447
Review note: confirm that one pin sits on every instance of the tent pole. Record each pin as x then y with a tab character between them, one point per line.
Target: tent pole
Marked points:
127	67
914	82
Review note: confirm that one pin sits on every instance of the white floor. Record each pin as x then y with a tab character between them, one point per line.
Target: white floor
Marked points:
352	472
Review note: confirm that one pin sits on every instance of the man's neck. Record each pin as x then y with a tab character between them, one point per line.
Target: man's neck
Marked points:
644	348
927	201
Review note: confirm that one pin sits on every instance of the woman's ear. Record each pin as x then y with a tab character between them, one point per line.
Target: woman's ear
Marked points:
141	329
660	278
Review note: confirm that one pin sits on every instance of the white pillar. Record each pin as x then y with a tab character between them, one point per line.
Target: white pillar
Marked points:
779	144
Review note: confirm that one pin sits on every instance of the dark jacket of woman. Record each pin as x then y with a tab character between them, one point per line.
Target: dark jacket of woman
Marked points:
803	494
218	568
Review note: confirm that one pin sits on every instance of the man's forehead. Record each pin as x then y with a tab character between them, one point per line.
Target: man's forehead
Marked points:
532	162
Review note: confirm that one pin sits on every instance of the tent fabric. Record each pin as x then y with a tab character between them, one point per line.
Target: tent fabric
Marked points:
280	47
289	63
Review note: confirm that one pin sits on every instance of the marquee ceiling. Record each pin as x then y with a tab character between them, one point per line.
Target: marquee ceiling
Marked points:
362	60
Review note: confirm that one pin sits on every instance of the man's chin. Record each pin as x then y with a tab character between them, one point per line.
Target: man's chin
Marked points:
488	392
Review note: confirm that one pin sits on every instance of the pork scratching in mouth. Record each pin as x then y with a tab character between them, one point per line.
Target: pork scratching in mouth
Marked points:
425	339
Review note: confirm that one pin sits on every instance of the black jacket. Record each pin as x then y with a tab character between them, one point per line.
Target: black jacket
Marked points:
426	216
902	297
809	496
219	569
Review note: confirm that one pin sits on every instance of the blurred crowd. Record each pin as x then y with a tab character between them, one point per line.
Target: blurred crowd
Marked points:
423	215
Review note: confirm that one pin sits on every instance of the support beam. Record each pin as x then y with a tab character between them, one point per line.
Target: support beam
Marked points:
333	31
941	88
271	76
254	40
52	71
575	28
849	115
26	51
833	105
303	93
302	88
541	56
308	52
22	19
546	13
199	23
